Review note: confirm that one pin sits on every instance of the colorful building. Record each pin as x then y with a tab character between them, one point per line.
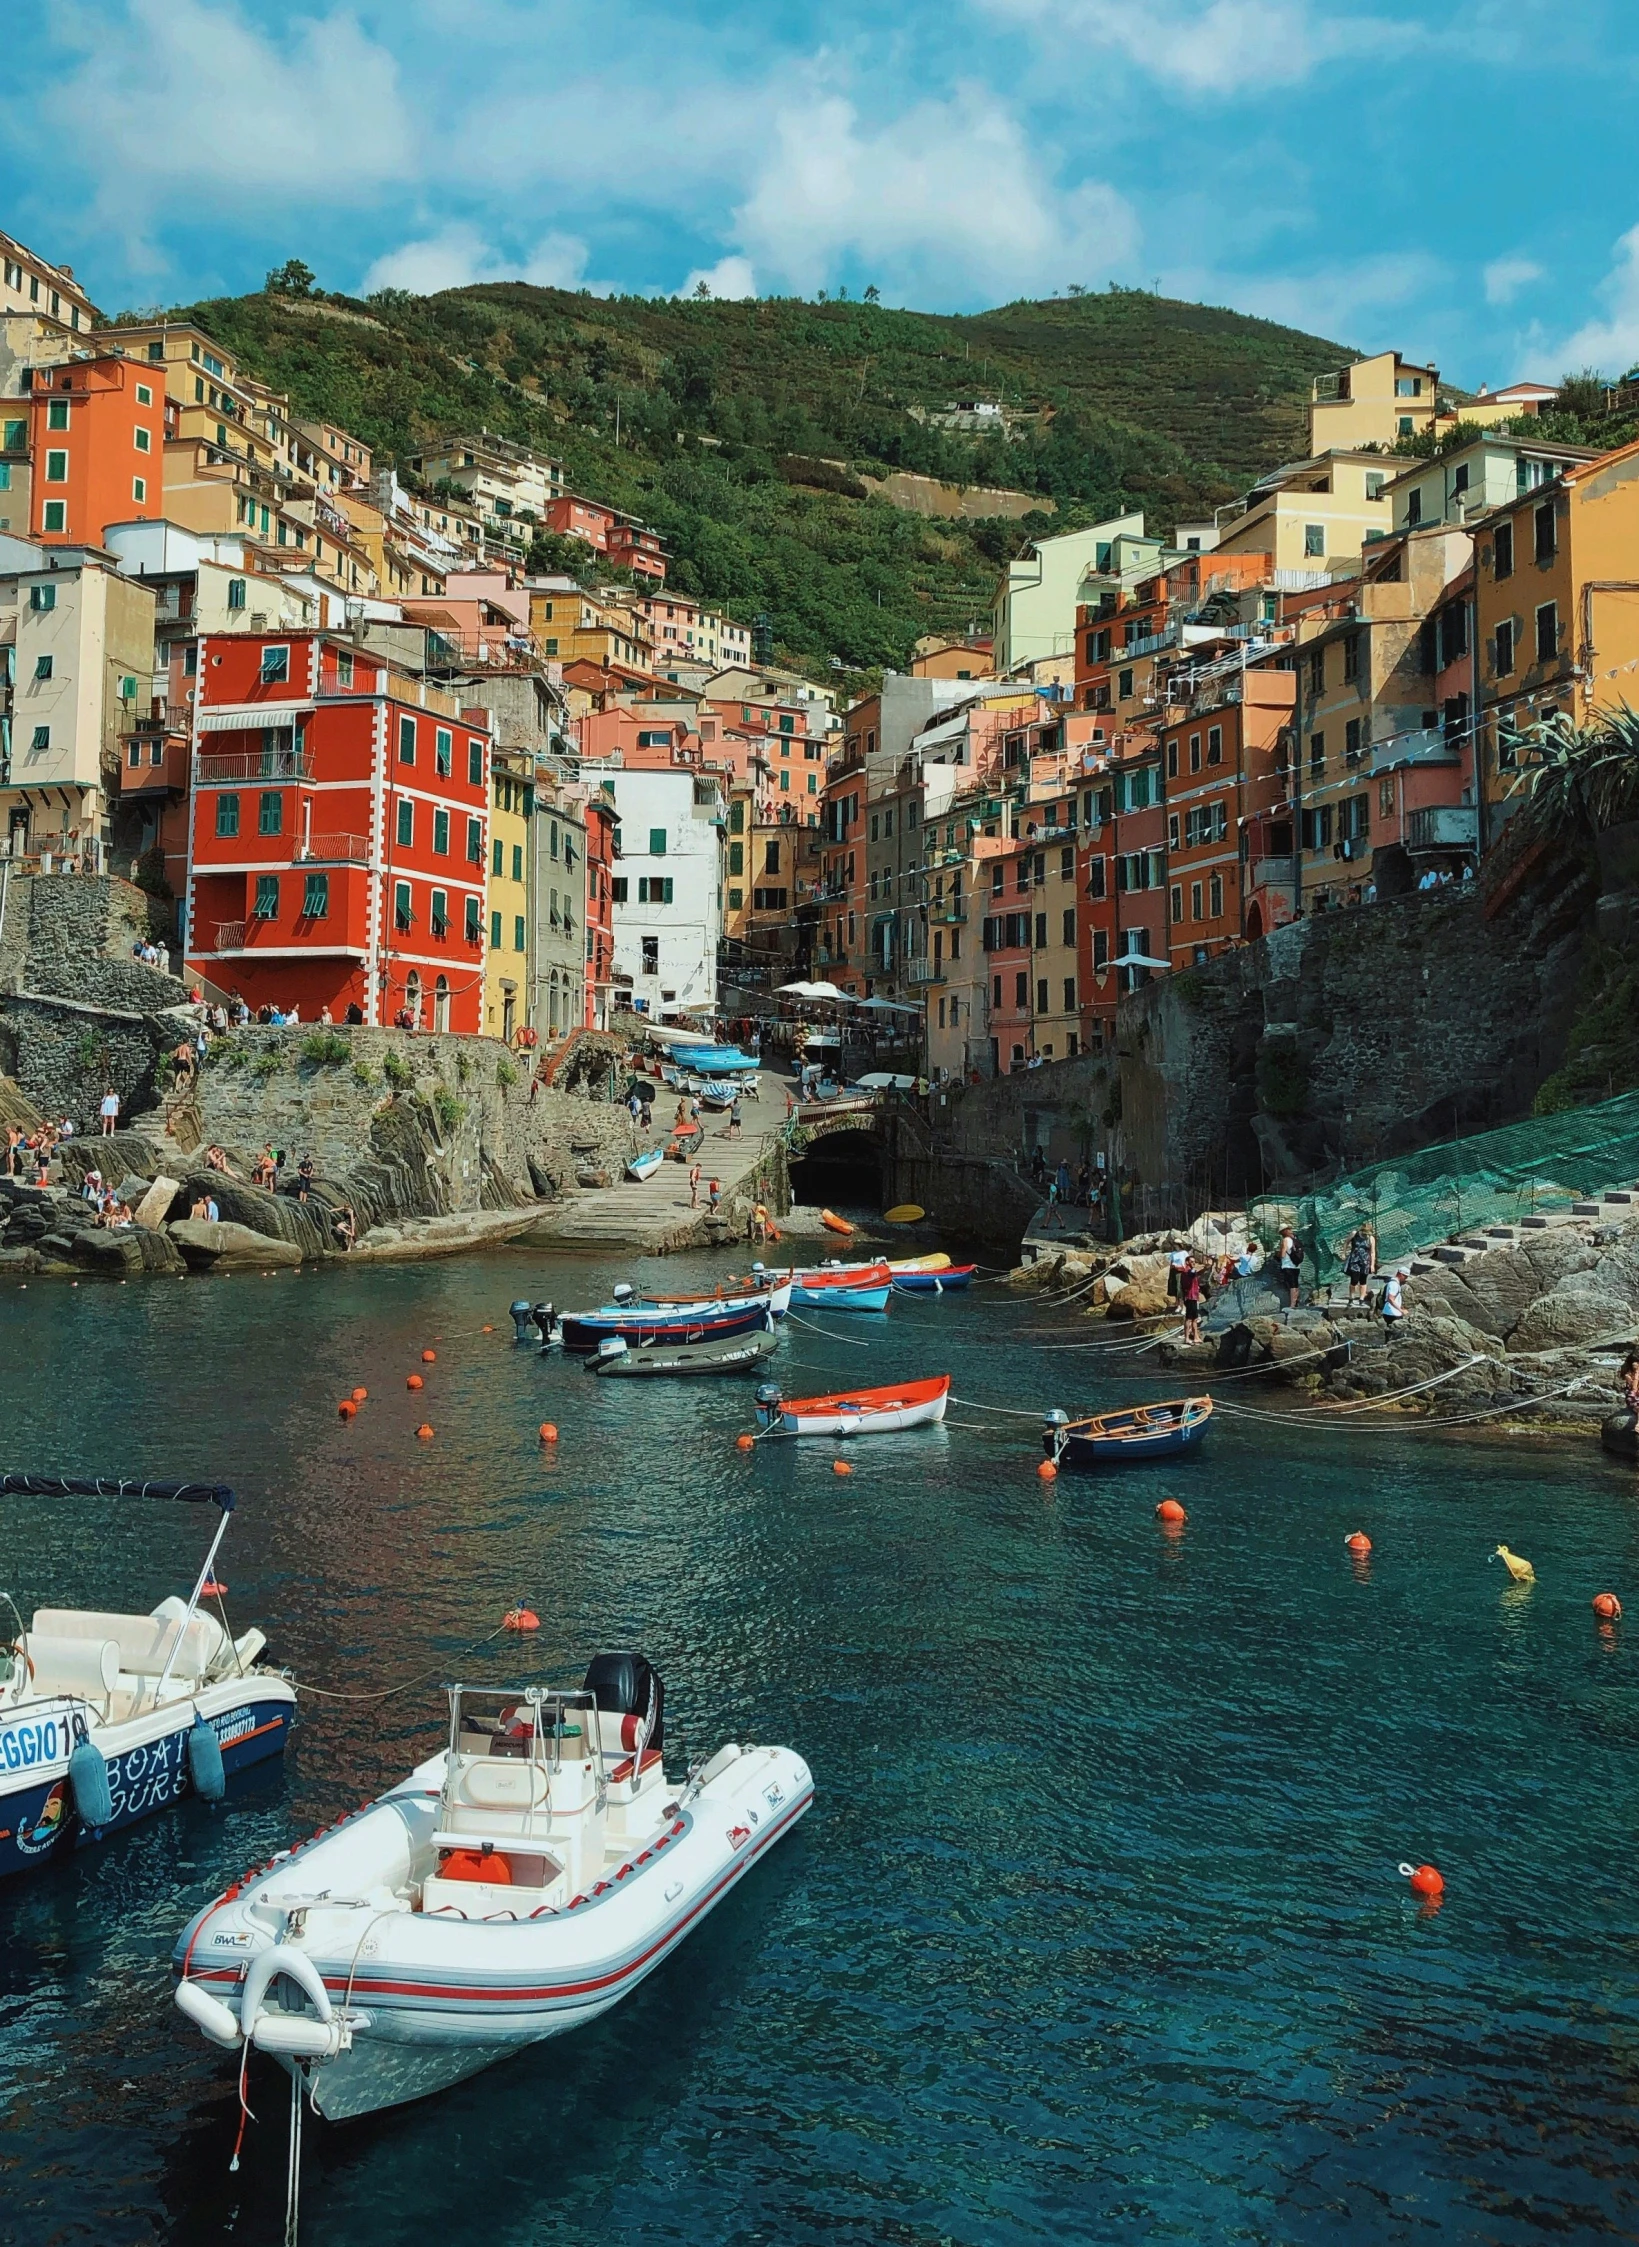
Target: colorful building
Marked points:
602	819
340	845
1374	402
1226	759
508	965
97	448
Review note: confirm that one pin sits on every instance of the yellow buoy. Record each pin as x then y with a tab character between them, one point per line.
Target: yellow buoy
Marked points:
906	1213
1521	1570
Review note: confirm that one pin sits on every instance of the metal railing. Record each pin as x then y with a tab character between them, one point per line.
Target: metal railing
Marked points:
230	936
214	770
341	850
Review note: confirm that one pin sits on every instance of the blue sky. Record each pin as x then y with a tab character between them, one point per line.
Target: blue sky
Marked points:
1457	179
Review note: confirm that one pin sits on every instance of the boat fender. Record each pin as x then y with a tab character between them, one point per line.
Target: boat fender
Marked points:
205	1767
729	1753
265	1969
208	2014
299	2036
522	1316
93	1796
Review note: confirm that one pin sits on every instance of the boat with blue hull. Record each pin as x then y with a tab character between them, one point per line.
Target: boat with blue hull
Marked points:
107	1718
932	1276
1128	1438
643	1325
843	1287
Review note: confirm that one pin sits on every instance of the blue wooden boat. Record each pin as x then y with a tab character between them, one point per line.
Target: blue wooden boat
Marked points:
1126	1438
645	1165
843	1287
940	1282
643	1325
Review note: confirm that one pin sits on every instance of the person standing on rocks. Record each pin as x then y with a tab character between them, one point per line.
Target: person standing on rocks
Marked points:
1360	1261
1289	1263
110	1112
1394	1302
1189	1292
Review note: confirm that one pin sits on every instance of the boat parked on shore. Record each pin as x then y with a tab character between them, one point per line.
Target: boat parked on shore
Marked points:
106	1718
854	1412
517	1884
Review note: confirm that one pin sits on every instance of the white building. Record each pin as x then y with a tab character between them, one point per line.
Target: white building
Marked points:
667	892
1035	609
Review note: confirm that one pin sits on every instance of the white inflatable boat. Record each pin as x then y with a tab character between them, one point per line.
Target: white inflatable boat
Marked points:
515	1886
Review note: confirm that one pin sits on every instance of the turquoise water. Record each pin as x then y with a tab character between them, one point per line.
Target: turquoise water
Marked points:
1094	1932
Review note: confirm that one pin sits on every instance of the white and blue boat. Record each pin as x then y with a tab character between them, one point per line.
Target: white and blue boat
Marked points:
644	1324
107	1718
645	1165
843	1287
1126	1438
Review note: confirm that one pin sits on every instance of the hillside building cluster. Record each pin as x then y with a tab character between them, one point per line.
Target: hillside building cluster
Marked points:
384	770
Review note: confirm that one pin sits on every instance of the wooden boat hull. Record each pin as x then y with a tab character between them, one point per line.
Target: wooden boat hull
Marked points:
777	1297
1118	1439
584	1330
935	1283
862	1412
737	1354
645	1166
842	1298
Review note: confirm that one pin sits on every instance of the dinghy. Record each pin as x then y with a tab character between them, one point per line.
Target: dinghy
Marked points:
517	1884
761	1285
844	1287
646	1323
617	1359
917	1279
854	1412
645	1165
1115	1439
106	1718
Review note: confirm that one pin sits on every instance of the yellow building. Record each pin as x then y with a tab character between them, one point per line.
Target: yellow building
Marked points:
1377	401
1315	515
1556	612
507	967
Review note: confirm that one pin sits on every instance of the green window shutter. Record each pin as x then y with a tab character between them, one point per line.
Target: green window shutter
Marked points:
495	932
518	933
657	842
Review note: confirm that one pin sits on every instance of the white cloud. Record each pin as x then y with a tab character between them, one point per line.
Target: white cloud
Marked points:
460	255
1611	343
729	277
949	199
175	104
1505	277
1213	47
1347	302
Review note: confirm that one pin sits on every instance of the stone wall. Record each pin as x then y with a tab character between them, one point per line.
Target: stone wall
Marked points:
1349	1037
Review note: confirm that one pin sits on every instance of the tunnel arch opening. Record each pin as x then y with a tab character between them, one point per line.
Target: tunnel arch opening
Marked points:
841	1171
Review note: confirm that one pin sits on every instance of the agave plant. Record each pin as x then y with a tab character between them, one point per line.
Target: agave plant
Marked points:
1576	780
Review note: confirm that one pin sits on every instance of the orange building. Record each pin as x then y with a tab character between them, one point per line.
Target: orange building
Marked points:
1226	767
97	446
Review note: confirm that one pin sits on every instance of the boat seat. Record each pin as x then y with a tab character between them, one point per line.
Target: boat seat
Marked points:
85	1667
511	1786
145	1642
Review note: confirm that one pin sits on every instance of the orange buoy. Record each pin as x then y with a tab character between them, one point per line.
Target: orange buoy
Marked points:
1426	1880
1171	1512
1047	1471
212	1589
424	1432
1358	1542
348	1409
841	1467
1607	1607
414	1381
520	1619
359	1395
429	1357
549	1431
745	1443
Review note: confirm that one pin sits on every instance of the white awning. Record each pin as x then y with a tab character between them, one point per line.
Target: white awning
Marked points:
270	716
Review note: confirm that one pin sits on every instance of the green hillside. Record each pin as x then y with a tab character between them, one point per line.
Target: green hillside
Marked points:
1130	401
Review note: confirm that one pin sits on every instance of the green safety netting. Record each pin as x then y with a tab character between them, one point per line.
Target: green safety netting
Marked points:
1415	1201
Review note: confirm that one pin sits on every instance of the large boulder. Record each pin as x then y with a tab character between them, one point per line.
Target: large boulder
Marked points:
1491	1292
1556	1254
225	1246
1569	1318
127	1253
155	1205
1620	1436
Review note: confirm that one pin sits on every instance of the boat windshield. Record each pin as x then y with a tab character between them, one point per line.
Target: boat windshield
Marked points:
532	1726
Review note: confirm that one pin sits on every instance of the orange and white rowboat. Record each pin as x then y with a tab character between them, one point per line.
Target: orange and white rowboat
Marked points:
855	1412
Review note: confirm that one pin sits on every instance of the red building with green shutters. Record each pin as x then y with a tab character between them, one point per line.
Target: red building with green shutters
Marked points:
338	845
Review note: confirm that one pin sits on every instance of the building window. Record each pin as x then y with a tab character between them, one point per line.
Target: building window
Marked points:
139	490
1317	755
496	849
57	414
1351	742
1547	631
406	823
657	842
56	515
474	924
617	889
1042	1003
495	932
441	833
144	442
403	918
651	955
344	667
1195	901
518	932
406	741
227	815
267	897
1505	649
1021	988
270	812
1070	925
1215	896
42	666
439	921
236	593
1317	671
1194	752
42	737
1547	542
443	751
1172	760
1215	745
475	763
1414	507
316	898
475	842
517	862
275	671
1314	541
1503	551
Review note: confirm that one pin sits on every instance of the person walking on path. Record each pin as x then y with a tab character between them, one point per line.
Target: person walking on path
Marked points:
713	1195
1360	1261
734	1118
1289	1262
694	1186
110	1112
1394	1302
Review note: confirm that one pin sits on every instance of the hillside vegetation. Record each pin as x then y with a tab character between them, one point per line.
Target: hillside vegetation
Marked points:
699	415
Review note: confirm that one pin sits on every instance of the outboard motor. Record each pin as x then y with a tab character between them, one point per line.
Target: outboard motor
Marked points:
623	1292
522	1316
628	1686
768	1402
613	1346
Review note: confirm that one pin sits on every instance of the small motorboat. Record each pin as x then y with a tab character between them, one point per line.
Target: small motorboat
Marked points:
932	1278
844	1287
854	1412
517	1884
106	1718
617	1359
761	1284
645	1165
644	1324
1113	1439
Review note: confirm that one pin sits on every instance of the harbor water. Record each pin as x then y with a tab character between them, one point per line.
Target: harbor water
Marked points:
1095	1931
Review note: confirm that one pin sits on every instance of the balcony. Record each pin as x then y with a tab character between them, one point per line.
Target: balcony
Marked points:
230	935
1427	746
920	973
334	850
240	767
953	912
1443	827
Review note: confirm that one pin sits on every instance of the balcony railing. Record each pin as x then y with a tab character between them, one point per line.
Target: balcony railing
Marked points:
335	850
244	765
1427	746
1443	827
921	972
230	935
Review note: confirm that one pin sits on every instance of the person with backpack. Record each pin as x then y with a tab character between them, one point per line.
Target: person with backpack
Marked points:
1288	1263
1360	1261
